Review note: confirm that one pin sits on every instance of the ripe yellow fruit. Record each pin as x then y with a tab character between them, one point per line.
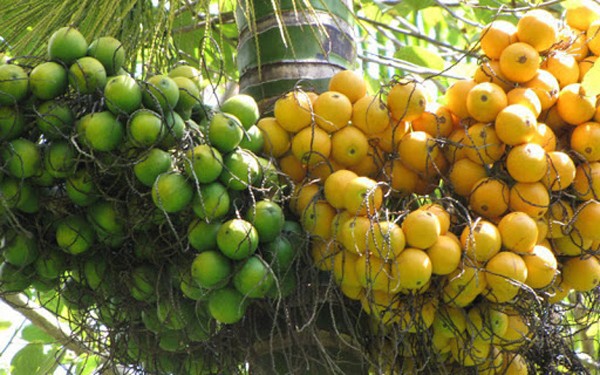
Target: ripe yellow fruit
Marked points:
349	146
349	83
464	285
517	334
545	86
303	195
519	232
441	213
370	115
485	100
593	35
335	186
545	137
412	269
456	97
402	179
371	165
574	106
489	197
582	273
322	254
481	241
418	150
519	62
385	239
585	140
489	71
363	196
587	219
515	124
344	269
464	174
561	171
449	321
495	37
436	122
483	145
527	162
277	139
332	110
455	147
505	271
338	221
322	169
585	65
571	244
558	217
407	100
388	139
353	234
541	267
445	255
586	184
538	28
526	97
562	66
421	229
316	219
292	167
558	290
531	198
515	364
468	352
581	14
294	111
311	145
375	273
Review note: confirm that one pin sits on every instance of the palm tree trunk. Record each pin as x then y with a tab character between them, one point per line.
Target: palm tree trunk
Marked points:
293	44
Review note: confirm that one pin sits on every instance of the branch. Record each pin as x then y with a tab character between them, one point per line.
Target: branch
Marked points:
46	321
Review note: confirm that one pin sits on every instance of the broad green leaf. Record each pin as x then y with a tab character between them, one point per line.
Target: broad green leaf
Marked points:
407	6
34	334
420	56
591	79
87	365
4	325
30	360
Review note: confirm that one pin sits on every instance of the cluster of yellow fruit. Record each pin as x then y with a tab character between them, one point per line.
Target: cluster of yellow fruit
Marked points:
518	144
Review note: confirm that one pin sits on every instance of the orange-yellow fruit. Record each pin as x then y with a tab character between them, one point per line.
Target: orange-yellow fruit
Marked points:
388	139
559	215
545	137
519	232
445	255
407	100
531	198
464	285
441	213
455	147
483	145
485	101
541	267
586	184
561	171
344	269
349	83
538	28
385	239
335	185
489	71
303	195
332	110
436	122
375	274
370	115
412	268
545	86
581	14
311	145
489	197
585	65
421	229
456	97
322	169
505	271
495	37
558	290
402	179
294	111
571	245
515	124
322	253
527	97
418	150
574	106
316	219
292	167
562	66
585	140
464	174
527	162
363	196
370	165
593	35
277	139
587	219
481	241
519	62
349	146
353	234
582	273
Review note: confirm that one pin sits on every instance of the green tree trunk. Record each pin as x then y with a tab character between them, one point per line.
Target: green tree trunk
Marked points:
281	48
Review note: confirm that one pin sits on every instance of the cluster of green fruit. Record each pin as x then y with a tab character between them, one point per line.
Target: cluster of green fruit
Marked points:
107	181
